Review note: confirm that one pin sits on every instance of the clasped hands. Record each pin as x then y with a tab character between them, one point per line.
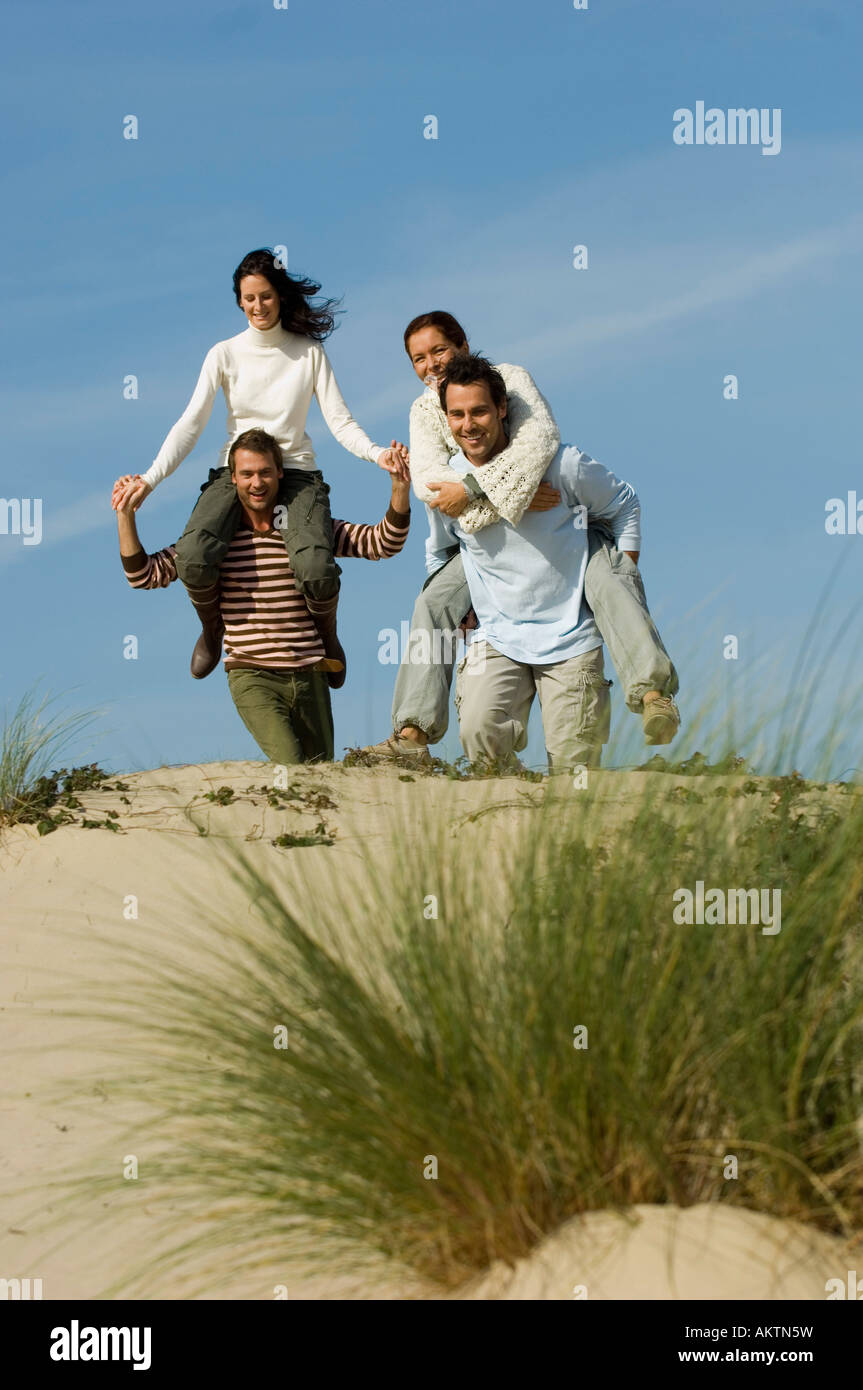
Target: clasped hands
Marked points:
451	498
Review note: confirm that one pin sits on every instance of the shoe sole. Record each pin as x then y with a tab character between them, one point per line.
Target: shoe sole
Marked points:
657	739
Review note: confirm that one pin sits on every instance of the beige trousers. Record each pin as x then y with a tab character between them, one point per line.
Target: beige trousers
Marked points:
494	695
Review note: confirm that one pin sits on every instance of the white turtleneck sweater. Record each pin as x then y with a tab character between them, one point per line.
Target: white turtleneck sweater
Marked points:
269	377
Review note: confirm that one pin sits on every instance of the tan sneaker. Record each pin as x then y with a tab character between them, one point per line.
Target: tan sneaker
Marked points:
396	747
660	719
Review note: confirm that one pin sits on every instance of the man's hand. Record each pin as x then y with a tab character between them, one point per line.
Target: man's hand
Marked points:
468	623
449	498
395	460
120	488
129	491
401	495
544	498
124	506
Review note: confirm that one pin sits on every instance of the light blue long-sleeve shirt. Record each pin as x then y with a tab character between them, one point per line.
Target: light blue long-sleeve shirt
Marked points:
527	582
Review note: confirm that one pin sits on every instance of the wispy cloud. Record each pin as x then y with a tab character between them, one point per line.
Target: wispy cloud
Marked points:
742	279
704	244
81	518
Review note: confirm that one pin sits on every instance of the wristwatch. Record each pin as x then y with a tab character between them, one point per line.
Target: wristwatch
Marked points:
472	486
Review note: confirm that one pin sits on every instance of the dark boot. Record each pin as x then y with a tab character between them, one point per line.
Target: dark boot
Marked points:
333	649
208	648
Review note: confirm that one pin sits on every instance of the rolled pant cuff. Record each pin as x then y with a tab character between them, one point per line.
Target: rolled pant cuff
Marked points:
635	695
432	733
322	608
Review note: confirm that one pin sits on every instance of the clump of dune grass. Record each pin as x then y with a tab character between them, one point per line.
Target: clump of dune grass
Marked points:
487	1035
797	705
33	736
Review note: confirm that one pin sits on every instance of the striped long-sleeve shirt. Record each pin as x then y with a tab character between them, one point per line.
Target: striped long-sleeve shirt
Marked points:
267	623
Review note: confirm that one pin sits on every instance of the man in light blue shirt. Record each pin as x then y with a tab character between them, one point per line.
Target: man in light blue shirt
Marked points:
536	634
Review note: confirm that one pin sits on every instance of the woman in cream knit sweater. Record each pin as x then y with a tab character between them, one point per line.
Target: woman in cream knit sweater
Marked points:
511	485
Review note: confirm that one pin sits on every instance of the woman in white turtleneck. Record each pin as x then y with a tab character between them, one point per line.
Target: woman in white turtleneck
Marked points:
268	374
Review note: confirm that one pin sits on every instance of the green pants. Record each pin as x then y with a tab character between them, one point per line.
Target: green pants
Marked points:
307	530
288	713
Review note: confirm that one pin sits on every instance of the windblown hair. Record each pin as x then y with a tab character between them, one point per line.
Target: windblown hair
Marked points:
470	369
298	313
438	318
257	442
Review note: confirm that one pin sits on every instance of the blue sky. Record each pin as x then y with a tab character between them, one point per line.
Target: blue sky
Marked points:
304	127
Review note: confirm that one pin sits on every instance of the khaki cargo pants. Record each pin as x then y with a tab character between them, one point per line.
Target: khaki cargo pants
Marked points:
494	695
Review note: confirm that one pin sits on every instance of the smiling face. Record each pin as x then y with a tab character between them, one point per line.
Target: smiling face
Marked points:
430	350
476	422
259	301
257	479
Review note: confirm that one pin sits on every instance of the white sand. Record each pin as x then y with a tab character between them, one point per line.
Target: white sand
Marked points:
707	1251
59	892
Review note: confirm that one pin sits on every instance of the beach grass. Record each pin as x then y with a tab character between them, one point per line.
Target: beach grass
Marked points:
435	1064
34	735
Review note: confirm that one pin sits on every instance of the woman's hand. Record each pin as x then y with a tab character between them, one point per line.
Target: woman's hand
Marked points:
129	492
396	460
544	498
450	498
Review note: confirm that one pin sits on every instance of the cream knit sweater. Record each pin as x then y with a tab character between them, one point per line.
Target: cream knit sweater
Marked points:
511	479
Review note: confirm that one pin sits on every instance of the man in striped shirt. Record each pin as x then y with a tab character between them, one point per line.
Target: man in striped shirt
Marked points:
274	656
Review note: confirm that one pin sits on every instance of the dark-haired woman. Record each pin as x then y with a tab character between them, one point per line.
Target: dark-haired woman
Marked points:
268	374
510	485
510	481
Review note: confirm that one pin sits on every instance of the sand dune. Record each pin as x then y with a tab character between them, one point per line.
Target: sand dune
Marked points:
703	1252
59	892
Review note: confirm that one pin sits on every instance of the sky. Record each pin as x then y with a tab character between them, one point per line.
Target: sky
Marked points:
304	126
